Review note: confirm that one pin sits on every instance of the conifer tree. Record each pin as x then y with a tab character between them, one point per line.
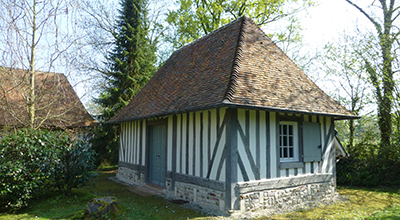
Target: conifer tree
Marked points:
130	65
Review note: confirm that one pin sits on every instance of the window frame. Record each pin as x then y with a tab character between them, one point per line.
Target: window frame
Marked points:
296	141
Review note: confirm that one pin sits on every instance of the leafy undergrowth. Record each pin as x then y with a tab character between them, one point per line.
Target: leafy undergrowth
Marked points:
381	203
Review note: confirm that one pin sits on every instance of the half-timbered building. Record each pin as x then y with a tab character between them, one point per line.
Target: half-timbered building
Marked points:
231	123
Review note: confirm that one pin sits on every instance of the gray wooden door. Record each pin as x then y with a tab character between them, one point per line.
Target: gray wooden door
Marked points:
157	143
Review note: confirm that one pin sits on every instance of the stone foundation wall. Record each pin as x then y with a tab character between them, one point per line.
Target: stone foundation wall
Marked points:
287	197
130	176
205	197
281	194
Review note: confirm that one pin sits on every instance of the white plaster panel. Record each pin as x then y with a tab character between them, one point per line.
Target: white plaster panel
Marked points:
183	147
241	146
198	150
144	134
178	142
191	139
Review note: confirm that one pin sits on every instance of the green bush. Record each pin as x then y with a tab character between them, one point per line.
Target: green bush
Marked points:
77	159
33	161
366	168
106	144
28	158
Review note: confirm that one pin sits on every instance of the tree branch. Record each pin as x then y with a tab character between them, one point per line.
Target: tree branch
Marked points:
375	23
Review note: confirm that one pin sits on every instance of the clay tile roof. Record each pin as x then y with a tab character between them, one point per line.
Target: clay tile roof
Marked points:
57	101
236	65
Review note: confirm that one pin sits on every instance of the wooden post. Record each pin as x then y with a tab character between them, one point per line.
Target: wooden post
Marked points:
174	142
231	198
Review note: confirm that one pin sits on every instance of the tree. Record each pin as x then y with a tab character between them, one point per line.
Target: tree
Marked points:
380	71
131	62
196	18
130	65
342	62
36	37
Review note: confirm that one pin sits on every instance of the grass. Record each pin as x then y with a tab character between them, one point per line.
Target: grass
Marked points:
362	203
382	203
132	206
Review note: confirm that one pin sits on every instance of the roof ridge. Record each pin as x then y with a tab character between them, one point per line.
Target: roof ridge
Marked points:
236	64
207	35
5	68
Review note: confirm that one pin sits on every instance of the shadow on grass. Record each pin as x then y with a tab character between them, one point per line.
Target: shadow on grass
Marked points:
131	206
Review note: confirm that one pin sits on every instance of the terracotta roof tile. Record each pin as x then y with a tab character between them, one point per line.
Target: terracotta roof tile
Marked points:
58	101
235	65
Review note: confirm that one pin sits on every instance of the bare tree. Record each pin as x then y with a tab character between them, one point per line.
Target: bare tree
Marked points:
342	61
36	39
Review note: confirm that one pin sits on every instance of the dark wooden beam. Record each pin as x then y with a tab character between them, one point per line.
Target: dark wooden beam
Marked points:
231	172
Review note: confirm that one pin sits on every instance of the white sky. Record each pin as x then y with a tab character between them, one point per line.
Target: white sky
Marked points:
329	19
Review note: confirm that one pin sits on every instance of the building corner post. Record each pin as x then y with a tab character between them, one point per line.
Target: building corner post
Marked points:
231	198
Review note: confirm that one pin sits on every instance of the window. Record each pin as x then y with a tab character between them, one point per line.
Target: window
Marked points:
288	141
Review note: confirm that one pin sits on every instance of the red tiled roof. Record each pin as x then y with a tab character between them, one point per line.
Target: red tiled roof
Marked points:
57	102
236	65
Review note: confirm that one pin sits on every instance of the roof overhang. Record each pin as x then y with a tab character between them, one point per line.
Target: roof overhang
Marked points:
232	105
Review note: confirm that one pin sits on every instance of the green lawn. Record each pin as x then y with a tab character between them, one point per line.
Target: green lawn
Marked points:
381	203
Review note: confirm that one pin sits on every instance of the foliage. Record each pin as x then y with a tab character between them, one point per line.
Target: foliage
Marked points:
379	61
106	144
130	65
76	161
32	161
365	166
196	18
28	158
344	68
368	62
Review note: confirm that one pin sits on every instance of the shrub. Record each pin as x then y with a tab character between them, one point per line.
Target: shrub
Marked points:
28	158
77	159
32	161
366	168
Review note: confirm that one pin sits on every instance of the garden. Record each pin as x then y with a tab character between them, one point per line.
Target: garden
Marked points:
360	203
53	175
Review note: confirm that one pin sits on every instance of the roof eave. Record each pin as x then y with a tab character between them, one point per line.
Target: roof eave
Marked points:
291	111
233	105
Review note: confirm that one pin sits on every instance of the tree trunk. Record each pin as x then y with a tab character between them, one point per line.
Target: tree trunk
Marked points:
351	134
386	102
31	98
386	82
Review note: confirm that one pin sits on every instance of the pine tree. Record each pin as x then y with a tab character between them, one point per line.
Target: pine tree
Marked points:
130	65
